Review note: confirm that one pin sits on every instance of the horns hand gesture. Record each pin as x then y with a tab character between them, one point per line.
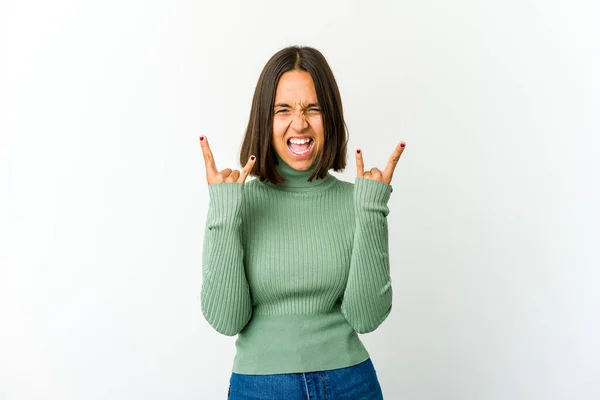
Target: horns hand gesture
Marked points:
375	174
227	175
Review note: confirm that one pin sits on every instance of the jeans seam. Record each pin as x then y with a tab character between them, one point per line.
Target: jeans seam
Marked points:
306	386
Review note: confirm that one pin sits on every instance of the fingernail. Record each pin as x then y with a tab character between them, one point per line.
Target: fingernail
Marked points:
402	144
358	151
201	137
252	158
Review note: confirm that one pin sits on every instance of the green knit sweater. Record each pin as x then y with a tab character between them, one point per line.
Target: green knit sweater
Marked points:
296	270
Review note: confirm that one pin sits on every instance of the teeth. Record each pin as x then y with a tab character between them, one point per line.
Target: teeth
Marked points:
303	152
299	141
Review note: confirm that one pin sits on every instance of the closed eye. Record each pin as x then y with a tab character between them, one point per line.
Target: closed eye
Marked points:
312	110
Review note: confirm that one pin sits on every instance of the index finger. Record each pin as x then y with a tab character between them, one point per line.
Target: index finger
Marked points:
209	161
394	158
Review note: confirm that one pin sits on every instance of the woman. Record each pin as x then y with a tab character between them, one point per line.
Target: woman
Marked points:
296	262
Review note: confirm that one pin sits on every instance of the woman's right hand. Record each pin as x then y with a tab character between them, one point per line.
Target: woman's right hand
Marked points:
227	175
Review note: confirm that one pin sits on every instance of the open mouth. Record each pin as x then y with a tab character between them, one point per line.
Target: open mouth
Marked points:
300	146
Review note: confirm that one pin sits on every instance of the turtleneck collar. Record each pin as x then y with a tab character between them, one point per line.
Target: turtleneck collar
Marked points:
297	181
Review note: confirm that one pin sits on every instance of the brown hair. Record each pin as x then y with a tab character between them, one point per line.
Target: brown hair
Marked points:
259	132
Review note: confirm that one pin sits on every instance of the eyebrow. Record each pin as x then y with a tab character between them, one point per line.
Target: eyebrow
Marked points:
288	106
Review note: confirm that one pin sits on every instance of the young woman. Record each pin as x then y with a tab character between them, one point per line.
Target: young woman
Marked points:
296	262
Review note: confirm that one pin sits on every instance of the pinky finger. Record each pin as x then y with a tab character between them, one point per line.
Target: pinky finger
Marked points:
247	168
360	167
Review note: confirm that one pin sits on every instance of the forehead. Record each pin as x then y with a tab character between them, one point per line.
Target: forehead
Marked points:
295	87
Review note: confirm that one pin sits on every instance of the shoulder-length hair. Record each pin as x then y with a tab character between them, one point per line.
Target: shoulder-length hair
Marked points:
259	133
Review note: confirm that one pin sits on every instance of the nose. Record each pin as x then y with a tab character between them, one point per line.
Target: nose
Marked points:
299	122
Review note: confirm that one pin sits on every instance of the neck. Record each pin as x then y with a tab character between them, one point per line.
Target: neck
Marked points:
297	181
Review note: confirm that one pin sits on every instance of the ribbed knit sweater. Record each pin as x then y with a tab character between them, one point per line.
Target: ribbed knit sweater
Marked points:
296	270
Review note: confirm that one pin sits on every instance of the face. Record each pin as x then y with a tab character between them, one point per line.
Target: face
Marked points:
298	136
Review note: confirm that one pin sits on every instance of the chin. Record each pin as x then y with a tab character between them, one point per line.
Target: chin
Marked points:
300	165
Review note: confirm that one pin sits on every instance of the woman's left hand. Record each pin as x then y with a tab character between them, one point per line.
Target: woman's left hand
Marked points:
375	174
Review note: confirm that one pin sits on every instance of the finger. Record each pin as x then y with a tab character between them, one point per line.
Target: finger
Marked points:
246	170
360	166
367	175
394	158
209	161
225	173
235	175
376	173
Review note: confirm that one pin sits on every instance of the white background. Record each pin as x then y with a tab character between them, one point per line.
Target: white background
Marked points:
493	221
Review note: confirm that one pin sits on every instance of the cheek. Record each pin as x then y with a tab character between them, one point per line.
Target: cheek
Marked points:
279	128
317	126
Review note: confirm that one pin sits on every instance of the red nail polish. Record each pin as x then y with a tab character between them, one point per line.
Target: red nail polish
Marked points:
201	137
252	158
358	151
402	144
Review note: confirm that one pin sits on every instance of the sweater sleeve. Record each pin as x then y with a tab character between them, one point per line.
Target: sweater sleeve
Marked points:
367	300
225	294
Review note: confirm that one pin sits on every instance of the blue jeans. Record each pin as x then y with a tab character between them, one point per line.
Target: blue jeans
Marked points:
357	382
